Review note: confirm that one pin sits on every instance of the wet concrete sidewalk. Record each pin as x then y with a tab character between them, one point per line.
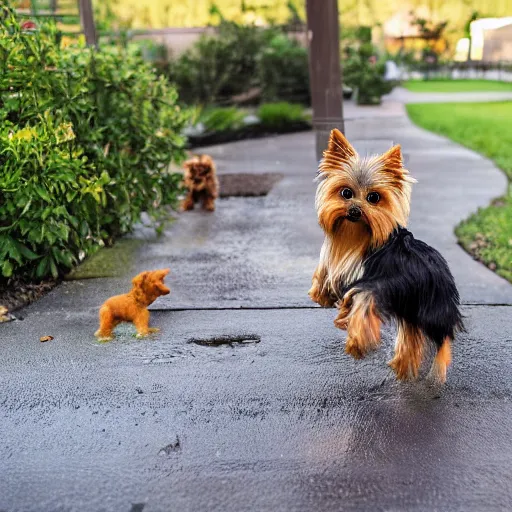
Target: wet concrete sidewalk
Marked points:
280	418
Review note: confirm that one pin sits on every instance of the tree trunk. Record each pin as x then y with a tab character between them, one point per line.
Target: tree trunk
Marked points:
324	69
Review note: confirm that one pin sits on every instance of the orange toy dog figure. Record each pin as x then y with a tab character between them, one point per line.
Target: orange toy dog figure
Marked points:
200	179
132	306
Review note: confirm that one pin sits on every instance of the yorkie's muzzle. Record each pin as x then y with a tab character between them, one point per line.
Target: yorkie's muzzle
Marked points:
354	214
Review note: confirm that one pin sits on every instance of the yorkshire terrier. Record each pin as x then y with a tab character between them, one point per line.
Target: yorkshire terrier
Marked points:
373	269
132	306
200	180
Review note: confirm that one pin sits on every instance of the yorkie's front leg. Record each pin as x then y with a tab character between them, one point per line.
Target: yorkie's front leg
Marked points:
188	202
209	203
318	292
344	309
362	321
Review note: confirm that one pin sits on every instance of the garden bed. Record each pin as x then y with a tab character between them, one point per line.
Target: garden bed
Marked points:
245	132
19	293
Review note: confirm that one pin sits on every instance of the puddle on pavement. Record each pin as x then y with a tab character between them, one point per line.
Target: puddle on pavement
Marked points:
231	340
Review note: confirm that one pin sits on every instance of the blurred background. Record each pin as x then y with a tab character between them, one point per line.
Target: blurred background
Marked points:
243	51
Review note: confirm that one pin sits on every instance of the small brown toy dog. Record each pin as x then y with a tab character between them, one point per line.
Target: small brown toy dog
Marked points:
200	179
132	306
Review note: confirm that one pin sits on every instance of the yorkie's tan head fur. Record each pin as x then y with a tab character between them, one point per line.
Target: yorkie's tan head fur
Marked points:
368	197
200	180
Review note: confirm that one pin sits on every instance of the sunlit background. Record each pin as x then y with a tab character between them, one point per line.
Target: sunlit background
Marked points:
394	23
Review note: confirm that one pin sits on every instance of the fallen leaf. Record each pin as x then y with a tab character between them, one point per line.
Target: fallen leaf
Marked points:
46	338
4	315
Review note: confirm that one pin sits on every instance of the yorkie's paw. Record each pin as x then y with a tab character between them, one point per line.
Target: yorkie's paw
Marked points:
353	348
187	205
320	298
209	205
341	323
402	368
154	329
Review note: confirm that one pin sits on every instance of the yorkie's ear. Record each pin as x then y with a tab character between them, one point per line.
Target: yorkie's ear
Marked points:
191	162
393	159
393	164
339	150
339	146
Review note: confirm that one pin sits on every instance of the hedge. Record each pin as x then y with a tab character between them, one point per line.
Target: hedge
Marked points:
86	139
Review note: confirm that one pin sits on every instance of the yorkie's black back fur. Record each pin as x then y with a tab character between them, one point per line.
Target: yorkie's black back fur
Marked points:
411	281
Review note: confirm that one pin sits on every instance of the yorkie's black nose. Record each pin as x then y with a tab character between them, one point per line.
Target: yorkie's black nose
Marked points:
354	213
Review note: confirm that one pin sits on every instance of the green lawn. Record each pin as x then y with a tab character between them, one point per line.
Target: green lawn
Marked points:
486	128
435	85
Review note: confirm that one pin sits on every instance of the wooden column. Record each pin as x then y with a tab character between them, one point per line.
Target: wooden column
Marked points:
324	69
87	21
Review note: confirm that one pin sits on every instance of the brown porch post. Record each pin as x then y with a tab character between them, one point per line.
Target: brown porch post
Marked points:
87	21
324	69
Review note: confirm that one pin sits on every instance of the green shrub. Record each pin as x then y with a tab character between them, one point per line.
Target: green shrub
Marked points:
219	119
278	115
86	138
238	58
219	66
283	71
364	72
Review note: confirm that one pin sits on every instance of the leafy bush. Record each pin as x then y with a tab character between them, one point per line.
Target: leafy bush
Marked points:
219	66
363	71
283	71
219	119
238	58
86	138
278	115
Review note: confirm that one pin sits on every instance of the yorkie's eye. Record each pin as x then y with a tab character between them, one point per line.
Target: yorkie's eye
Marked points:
373	197
347	193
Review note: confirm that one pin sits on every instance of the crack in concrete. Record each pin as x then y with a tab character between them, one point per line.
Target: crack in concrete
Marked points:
278	308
